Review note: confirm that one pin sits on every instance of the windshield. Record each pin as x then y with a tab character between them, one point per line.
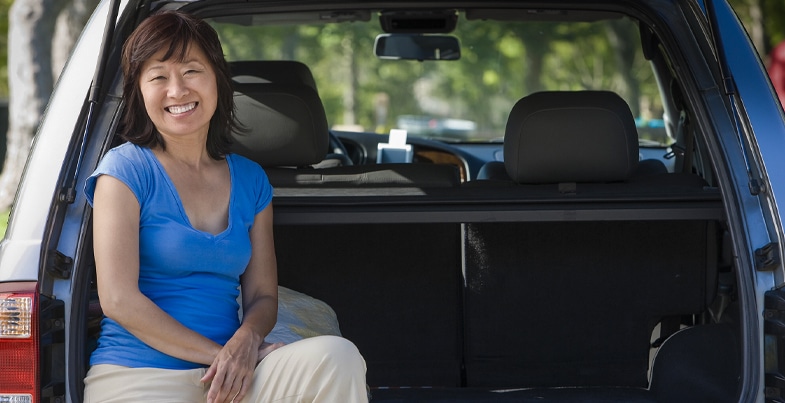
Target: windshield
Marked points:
463	100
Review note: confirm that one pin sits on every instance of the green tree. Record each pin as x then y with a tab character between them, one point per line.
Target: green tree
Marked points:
773	22
32	71
500	63
764	20
5	5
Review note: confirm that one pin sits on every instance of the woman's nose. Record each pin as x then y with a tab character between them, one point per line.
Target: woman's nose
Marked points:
177	87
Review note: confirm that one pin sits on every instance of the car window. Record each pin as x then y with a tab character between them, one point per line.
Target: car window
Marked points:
464	100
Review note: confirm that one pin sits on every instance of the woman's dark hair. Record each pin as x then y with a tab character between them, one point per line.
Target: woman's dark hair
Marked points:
175	31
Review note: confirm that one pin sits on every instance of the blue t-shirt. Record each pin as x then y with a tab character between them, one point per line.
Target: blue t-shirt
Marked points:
192	275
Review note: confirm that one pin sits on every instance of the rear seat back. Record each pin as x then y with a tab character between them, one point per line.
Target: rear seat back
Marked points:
396	289
574	303
288	134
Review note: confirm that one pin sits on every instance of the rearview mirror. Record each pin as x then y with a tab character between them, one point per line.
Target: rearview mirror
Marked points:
417	47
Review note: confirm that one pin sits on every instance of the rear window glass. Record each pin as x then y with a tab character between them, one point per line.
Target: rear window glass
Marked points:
465	100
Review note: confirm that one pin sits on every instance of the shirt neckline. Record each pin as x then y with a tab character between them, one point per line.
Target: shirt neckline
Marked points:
179	203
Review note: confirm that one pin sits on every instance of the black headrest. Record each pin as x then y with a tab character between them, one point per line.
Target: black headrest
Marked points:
287	124
570	136
278	102
272	71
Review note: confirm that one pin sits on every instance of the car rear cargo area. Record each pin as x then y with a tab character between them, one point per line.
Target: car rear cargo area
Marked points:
591	298
578	295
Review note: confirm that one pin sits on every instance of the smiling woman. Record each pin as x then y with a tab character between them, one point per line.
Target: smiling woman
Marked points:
615	233
175	214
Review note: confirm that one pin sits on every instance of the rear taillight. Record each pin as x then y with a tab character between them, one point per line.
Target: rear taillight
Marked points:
19	351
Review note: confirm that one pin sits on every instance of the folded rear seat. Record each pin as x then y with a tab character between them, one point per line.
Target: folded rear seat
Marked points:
566	302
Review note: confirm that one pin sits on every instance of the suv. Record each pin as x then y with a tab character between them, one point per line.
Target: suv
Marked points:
563	248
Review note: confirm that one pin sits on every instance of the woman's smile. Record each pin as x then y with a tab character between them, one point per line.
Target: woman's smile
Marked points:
181	109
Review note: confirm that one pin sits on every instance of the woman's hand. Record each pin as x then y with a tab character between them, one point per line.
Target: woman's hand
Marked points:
232	370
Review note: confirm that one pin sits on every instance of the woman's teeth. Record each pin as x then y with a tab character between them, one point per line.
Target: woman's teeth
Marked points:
177	109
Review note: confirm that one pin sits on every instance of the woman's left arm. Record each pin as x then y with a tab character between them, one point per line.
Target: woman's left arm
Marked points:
232	371
259	284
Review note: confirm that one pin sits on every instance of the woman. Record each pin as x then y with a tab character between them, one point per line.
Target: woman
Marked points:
179	225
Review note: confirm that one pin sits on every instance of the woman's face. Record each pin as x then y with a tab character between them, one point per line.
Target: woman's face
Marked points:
180	97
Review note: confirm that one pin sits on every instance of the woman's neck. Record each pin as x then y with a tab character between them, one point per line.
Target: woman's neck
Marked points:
190	154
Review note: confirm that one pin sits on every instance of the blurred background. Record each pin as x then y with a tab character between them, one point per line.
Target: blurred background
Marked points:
36	37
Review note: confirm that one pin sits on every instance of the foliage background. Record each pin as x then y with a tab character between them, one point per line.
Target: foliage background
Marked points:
764	19
5	5
764	16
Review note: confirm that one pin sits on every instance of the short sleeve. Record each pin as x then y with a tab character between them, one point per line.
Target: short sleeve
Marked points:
265	191
126	163
253	182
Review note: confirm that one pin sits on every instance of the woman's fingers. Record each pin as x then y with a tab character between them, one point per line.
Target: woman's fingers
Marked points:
234	390
209	374
243	390
216	386
230	380
226	385
231	372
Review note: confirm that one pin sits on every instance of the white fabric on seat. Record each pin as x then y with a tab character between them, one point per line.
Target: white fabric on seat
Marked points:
301	316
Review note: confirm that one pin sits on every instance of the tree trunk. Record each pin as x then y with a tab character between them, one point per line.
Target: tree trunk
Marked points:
69	25
30	82
625	45
757	31
350	91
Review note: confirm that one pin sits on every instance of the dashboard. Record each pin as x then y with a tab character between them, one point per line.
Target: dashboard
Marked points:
361	148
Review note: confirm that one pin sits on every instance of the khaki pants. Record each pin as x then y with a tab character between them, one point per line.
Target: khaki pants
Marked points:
318	369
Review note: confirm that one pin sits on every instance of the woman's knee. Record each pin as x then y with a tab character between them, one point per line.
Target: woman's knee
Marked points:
328	367
336	349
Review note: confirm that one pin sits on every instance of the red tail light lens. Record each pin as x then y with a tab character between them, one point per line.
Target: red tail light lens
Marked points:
19	352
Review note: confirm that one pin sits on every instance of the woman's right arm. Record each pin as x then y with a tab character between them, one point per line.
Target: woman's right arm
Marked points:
116	244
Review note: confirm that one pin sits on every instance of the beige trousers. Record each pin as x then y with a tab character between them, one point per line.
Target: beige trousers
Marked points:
318	369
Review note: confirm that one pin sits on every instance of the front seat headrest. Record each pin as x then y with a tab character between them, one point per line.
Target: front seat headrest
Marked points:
277	101
272	71
287	124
